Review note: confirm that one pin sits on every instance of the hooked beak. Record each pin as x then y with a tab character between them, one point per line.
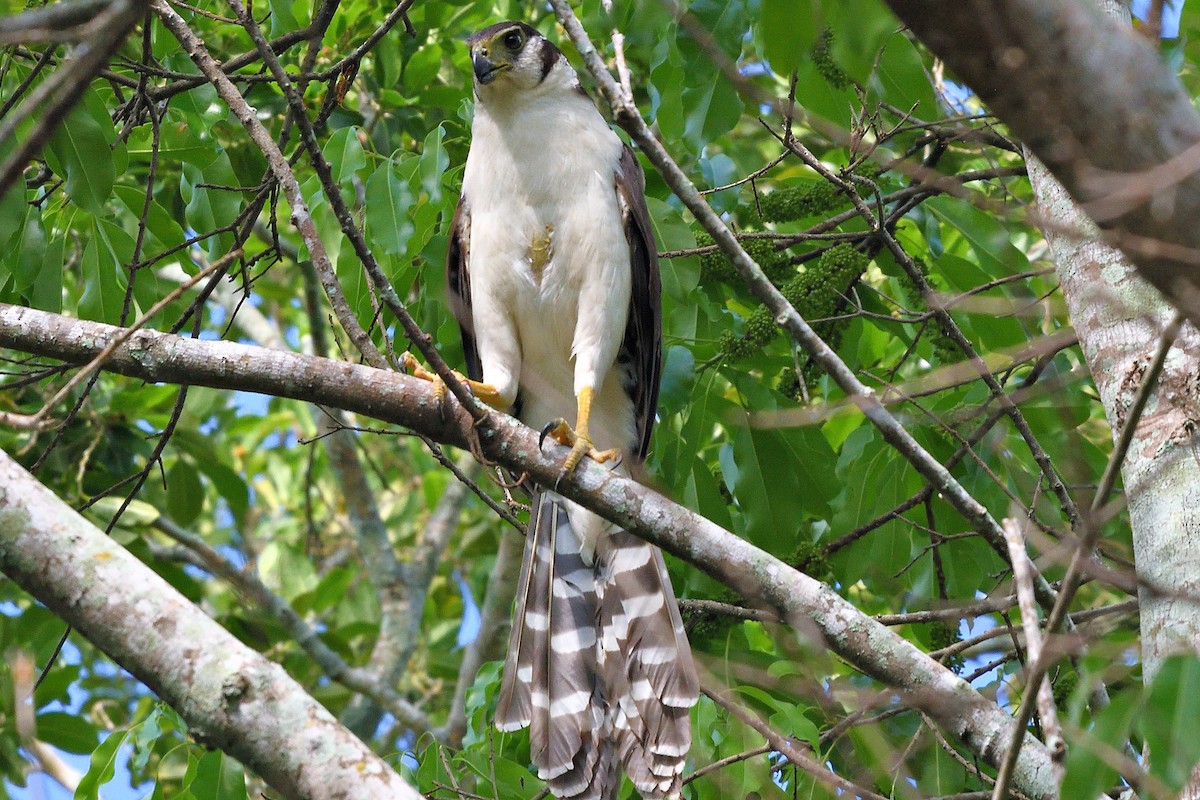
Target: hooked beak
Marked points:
487	70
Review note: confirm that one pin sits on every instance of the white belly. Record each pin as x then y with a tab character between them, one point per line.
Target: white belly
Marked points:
565	300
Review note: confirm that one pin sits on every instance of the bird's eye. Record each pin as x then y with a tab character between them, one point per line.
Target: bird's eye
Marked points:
513	40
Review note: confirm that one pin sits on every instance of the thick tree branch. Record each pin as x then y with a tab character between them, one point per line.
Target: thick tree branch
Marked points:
232	697
1099	107
798	599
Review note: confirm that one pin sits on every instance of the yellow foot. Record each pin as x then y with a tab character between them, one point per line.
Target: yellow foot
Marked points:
580	444
483	391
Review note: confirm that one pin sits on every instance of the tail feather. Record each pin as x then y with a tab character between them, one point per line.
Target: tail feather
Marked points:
598	663
647	661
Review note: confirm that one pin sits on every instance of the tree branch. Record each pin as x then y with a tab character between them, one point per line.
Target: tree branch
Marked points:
231	696
800	601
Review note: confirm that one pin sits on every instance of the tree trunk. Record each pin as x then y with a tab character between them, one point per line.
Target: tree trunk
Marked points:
1119	318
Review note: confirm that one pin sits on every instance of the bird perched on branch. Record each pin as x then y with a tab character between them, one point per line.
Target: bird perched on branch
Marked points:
553	276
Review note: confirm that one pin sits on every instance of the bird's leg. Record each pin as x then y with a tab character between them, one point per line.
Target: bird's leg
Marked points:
578	438
482	391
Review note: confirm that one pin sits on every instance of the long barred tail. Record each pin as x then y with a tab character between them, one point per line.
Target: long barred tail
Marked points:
598	663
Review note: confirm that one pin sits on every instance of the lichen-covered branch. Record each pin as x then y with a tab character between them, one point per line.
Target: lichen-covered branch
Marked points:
800	601
232	697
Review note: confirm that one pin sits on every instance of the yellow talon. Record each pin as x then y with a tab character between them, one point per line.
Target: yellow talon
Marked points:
578	438
483	391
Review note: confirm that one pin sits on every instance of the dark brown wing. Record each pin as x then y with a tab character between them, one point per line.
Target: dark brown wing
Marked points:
458	285
640	357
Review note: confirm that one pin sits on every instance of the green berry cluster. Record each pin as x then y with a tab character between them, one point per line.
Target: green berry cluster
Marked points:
1065	684
798	201
811	559
912	292
944	348
788	384
816	293
822	58
869	170
715	266
942	635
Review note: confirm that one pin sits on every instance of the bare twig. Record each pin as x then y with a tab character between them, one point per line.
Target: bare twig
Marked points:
787	746
1023	580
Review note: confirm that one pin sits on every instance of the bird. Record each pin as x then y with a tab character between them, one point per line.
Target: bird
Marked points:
552	274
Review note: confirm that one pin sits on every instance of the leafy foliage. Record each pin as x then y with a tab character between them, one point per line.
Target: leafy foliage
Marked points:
151	179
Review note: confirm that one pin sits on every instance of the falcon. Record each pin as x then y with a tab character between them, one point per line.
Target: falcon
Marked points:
553	276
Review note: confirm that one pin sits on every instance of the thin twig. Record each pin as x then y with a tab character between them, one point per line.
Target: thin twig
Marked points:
788	746
1023	580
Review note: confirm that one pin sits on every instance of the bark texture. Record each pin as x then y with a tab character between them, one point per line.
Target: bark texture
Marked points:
799	600
1119	318
1098	106
231	696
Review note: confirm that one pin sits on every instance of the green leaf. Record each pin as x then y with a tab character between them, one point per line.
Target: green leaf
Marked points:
282	19
788	718
327	594
345	153
902	76
860	29
164	231
353	278
68	732
104	278
12	212
217	777
80	147
767	488
875	479
137	513
1088	772
26	252
56	686
185	493
1168	719
46	293
990	241
101	767
388	201
788	30
213	205
433	163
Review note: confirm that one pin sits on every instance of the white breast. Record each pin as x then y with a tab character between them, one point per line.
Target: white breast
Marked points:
545	163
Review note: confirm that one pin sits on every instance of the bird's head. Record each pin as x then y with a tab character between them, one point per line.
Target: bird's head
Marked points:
510	56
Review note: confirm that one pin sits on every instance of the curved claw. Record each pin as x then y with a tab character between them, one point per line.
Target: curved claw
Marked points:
556	429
